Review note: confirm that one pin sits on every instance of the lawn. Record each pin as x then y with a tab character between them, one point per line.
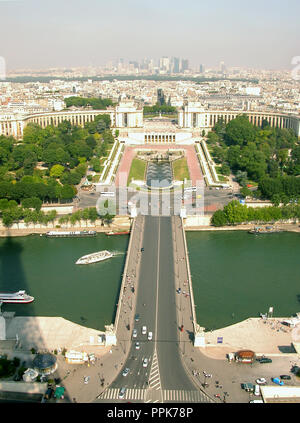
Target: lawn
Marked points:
137	170
181	170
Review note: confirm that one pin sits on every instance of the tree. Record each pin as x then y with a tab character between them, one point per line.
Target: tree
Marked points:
33	202
239	131
56	171
219	218
33	134
235	212
246	192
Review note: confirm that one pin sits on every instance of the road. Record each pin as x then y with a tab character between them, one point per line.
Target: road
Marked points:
164	379
164	203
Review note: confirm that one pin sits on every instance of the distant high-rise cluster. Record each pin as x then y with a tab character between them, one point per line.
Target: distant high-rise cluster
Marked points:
164	65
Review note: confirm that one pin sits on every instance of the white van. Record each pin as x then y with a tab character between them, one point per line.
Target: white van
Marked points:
257	390
144	330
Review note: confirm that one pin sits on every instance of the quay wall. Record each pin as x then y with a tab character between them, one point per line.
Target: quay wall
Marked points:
189	276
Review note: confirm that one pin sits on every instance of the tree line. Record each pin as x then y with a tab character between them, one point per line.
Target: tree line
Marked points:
30	212
94	102
236	213
157	108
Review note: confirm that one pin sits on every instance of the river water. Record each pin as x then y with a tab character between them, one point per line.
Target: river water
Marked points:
235	276
45	268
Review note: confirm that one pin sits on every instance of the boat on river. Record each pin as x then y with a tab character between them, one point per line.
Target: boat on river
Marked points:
117	233
264	230
15	297
64	234
94	257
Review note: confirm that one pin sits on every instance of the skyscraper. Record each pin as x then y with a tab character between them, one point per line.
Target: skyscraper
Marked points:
175	63
164	64
184	65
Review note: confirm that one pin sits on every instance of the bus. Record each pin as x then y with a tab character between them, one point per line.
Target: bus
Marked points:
107	194
191	189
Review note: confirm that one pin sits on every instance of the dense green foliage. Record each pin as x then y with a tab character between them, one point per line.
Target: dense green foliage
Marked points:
30	212
236	213
95	103
157	108
199	79
49	162
253	153
8	367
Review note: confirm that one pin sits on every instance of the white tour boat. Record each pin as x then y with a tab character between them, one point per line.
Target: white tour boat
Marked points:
94	257
15	297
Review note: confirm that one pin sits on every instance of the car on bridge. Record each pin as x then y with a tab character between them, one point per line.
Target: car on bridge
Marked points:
122	393
125	372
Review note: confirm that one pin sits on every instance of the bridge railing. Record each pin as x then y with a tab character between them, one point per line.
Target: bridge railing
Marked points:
189	277
124	277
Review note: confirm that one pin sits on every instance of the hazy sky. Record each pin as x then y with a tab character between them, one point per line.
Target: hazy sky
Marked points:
51	33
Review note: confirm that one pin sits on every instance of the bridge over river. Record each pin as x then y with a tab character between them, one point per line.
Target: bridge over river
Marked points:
150	288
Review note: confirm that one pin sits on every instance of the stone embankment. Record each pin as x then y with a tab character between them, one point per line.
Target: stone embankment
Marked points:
121	223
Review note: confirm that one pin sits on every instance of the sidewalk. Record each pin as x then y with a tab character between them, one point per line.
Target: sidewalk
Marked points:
190	356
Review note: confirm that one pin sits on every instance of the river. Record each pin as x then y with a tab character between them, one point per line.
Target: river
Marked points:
45	268
235	276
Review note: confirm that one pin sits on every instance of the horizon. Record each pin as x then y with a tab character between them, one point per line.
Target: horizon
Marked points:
262	35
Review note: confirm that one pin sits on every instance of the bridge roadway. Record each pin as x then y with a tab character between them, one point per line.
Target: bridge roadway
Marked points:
164	379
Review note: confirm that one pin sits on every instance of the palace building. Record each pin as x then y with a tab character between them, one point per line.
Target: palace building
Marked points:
127	117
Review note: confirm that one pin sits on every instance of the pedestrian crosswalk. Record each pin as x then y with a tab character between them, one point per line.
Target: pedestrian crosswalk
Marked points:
154	378
130	394
155	395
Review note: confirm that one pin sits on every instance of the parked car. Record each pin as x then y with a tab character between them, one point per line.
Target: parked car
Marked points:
285	377
150	335
144	330
264	360
86	379
248	387
122	392
145	362
261	381
137	346
137	317
125	372
257	401
134	333
277	381
257	390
